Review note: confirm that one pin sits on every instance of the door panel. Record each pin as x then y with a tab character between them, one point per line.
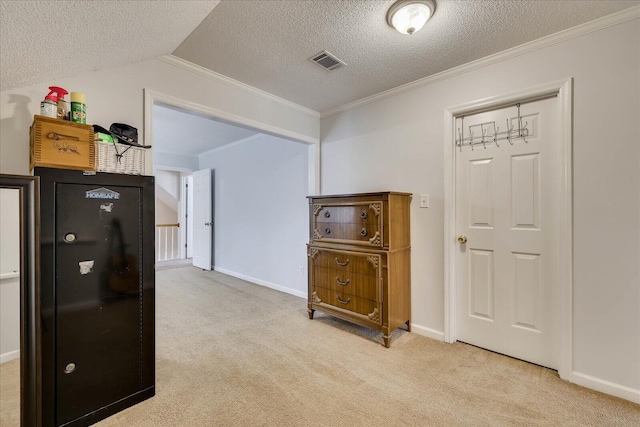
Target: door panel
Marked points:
481	203
481	283
98	330
202	220
506	199
527	290
525	190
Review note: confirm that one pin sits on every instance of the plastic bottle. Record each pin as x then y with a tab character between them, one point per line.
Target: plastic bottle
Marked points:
78	108
49	107
63	111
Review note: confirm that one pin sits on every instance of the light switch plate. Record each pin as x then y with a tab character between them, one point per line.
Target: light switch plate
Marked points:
424	200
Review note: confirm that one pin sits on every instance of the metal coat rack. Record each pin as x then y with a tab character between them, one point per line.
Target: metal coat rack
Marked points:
510	134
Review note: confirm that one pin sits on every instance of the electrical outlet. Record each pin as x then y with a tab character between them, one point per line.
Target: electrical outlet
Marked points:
301	270
424	200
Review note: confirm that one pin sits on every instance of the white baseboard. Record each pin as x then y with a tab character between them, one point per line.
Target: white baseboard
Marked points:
5	357
427	332
262	282
606	387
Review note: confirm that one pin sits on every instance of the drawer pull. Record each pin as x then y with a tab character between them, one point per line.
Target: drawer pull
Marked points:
343	301
345	283
363	232
327	230
363	215
327	214
57	136
342	263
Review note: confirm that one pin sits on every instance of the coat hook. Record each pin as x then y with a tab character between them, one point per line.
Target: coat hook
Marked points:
495	134
509	130
471	138
484	132
461	132
523	132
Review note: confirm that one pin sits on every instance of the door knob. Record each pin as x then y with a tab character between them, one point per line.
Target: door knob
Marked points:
207	223
462	239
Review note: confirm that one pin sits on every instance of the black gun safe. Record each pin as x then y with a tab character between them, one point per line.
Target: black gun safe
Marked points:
97	296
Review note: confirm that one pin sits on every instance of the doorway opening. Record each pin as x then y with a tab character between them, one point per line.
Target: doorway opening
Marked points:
182	134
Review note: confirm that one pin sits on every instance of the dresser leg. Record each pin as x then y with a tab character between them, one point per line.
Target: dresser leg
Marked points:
387	340
310	312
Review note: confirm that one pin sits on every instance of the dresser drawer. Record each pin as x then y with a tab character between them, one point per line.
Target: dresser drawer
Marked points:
346	261
356	223
363	213
364	286
354	273
345	301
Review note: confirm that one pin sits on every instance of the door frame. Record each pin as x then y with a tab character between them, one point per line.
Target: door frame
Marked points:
563	90
186	243
181	205
30	322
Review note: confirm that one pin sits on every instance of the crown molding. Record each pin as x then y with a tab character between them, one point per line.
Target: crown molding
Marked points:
561	36
212	75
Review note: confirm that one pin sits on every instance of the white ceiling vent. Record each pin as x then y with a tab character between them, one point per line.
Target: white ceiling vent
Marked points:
327	61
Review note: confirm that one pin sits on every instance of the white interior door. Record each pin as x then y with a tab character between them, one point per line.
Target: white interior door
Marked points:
202	219
507	288
189	218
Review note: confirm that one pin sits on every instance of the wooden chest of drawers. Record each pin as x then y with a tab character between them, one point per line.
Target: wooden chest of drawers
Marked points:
359	256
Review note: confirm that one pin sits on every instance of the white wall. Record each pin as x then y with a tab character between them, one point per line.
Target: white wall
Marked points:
165	214
167	185
169	180
261	211
116	95
174	161
9	274
396	143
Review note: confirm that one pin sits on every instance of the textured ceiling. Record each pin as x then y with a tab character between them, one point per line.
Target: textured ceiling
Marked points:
186	133
266	44
46	40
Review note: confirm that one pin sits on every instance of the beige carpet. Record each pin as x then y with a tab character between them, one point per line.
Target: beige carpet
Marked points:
230	353
10	393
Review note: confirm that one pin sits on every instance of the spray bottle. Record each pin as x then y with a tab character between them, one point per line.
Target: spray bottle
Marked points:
49	107
63	111
78	112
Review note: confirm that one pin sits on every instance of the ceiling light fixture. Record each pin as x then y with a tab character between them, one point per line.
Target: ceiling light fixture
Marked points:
408	16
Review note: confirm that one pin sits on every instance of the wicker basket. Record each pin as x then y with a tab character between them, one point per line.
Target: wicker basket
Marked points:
119	158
